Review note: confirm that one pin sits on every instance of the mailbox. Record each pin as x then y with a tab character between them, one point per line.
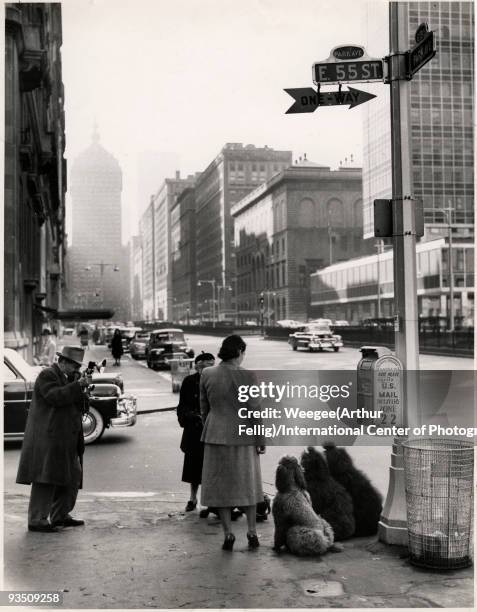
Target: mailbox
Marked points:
380	386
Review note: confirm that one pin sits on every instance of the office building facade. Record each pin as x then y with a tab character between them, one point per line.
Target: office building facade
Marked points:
235	171
34	174
295	223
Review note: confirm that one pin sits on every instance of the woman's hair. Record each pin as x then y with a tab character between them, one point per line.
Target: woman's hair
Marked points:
231	347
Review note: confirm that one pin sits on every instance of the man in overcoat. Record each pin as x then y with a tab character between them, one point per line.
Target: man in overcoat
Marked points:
188	415
53	446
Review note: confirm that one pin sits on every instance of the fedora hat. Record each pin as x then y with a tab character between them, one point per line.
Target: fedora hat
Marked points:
72	353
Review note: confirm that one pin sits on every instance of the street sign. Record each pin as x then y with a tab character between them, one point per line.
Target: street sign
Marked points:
348	64
421	54
307	100
348	72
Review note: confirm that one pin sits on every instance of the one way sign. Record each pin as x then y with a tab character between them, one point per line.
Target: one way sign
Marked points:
307	100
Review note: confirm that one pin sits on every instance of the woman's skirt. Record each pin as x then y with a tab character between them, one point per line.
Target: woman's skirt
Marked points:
192	468
231	476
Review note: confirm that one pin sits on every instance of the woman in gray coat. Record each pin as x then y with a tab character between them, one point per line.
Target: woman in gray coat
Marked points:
231	472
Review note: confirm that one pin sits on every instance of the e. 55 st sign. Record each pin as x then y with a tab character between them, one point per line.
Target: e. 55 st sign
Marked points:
348	64
348	72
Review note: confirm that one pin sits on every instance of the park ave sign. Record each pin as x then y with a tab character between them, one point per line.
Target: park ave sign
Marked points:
307	99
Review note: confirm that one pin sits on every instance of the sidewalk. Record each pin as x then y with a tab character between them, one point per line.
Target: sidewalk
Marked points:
145	552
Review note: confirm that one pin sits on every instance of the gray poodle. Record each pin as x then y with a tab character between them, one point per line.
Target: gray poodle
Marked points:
297	526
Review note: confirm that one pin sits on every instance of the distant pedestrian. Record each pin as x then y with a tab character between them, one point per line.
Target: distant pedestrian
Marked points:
231	472
188	415
96	335
84	337
47	355
53	446
117	347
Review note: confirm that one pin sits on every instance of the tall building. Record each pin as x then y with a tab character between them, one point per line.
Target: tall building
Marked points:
155	232
183	252
136	271
300	220
98	265
441	136
35	173
235	172
441	118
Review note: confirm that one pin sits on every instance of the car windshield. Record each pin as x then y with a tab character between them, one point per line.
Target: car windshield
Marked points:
170	337
141	336
27	371
317	329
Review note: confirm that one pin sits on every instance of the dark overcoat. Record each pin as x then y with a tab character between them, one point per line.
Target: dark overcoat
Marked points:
188	414
54	434
116	346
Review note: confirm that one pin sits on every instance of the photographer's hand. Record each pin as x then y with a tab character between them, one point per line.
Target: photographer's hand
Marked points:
85	380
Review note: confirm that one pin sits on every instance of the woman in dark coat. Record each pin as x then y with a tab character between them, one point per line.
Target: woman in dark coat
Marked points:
117	347
188	415
231	471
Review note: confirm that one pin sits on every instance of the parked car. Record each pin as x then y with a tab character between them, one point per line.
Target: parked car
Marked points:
109	405
164	345
137	348
315	337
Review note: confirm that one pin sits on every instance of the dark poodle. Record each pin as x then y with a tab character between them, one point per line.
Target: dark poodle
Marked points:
297	526
367	501
328	497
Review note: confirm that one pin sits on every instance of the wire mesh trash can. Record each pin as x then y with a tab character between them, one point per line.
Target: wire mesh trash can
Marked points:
439	475
180	368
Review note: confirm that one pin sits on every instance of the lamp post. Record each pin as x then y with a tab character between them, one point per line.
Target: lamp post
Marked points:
211	282
102	265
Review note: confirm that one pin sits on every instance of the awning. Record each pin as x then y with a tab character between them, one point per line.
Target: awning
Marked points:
77	314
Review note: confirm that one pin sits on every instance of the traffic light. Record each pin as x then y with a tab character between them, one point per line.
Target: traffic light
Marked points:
262	300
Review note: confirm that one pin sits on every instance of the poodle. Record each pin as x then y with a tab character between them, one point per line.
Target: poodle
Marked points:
367	501
328	497
263	510
296	524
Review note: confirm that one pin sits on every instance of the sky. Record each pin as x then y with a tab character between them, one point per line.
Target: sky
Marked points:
169	82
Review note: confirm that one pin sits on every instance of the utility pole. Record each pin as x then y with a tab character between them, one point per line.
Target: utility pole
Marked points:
393	523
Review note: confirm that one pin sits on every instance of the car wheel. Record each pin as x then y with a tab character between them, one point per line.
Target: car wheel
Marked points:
294	347
93	425
135	357
336	349
149	364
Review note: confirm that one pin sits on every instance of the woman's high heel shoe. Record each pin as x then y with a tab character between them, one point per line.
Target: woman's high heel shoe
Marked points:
253	540
228	542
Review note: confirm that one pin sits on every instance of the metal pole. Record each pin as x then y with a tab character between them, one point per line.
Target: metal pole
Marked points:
393	523
213	303
379	245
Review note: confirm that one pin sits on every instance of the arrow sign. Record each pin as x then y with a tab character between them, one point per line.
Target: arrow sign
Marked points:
307	100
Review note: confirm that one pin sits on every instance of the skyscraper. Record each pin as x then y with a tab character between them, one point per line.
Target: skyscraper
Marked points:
441	118
97	264
440	141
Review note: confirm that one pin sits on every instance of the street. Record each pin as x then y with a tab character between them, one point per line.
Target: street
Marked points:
139	548
146	457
